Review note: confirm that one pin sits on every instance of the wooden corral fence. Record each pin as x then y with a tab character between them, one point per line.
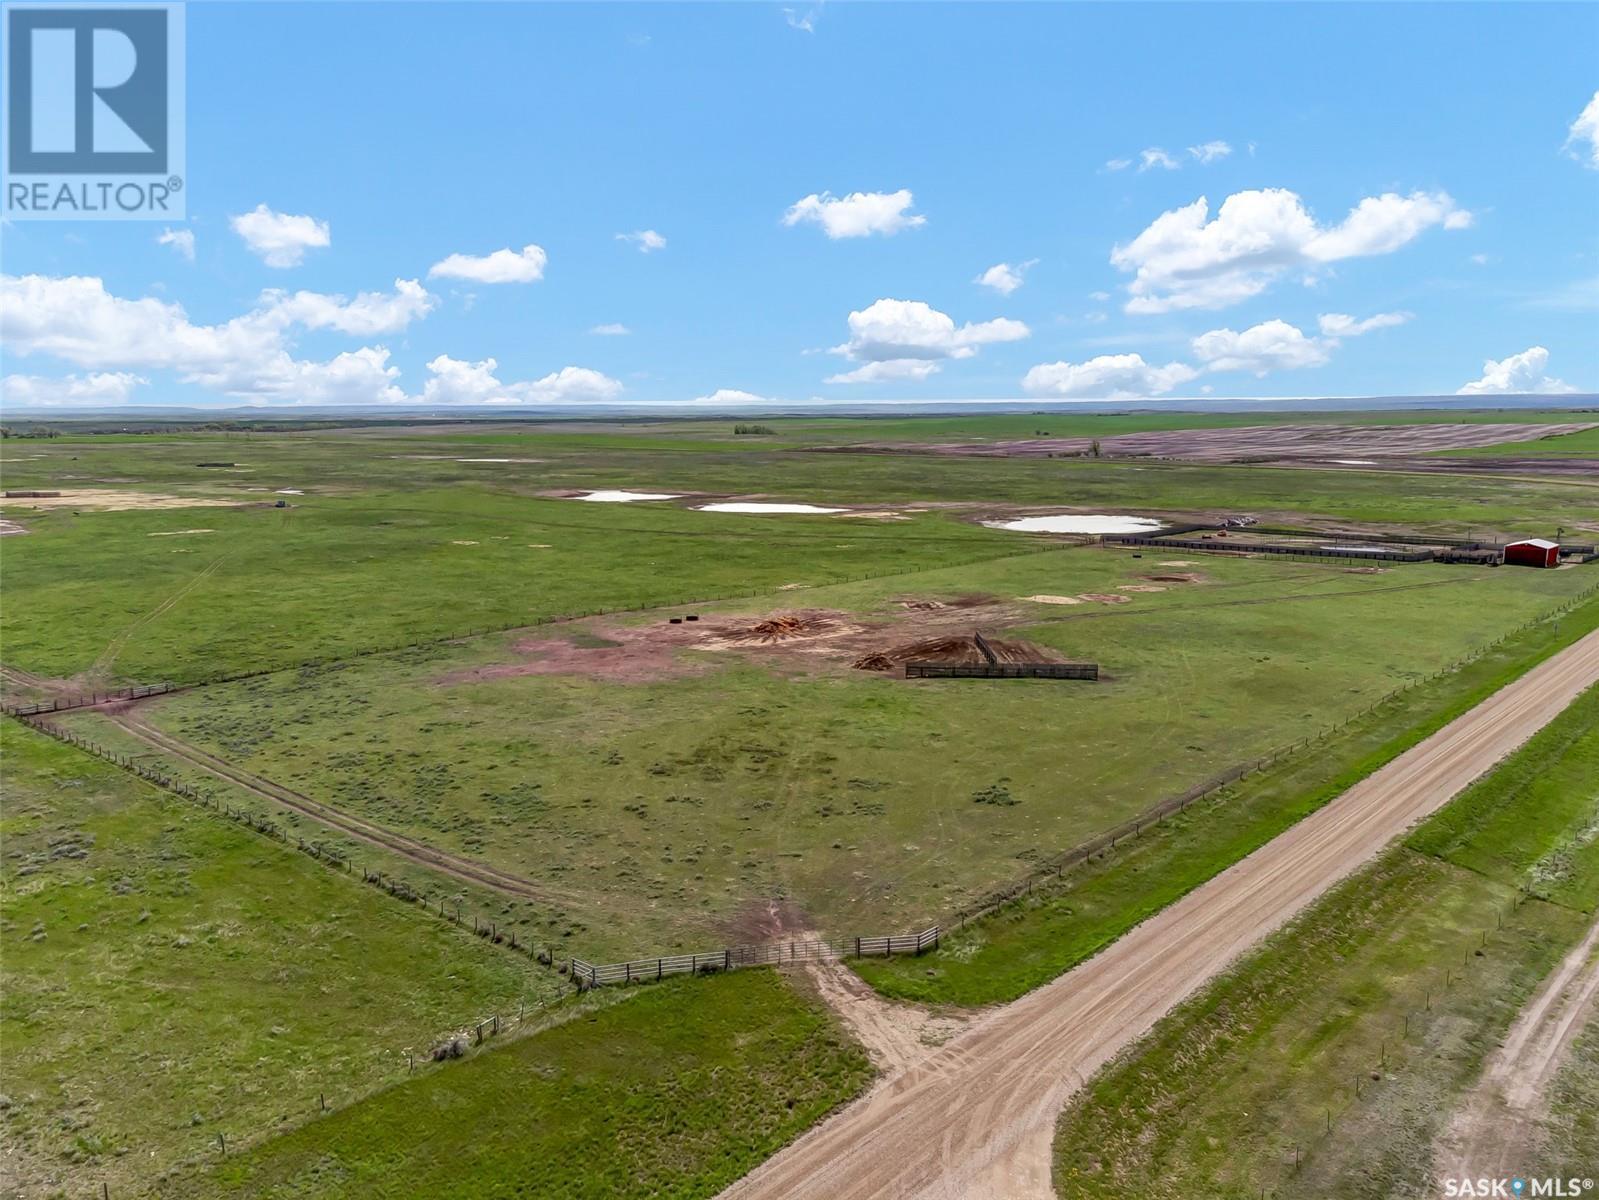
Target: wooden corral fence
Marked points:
761	954
939	670
66	703
1376	554
1388	548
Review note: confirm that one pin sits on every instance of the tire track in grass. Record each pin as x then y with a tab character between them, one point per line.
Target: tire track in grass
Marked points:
421	853
108	657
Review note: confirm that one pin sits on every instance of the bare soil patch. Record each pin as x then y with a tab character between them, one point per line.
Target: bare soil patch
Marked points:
785	627
801	640
896	1036
105	500
1106	598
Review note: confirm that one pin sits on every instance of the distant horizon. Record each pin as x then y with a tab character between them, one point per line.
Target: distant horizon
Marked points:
1571	402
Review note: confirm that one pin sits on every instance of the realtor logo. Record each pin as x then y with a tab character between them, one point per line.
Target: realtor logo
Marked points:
93	125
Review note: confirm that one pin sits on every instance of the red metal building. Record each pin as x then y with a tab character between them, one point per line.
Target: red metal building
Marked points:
1533	552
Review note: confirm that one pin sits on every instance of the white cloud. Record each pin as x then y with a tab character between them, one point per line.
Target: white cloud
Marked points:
502	266
732	396
1585	129
1184	259
1342	325
249	358
1210	152
1004	278
613	329
368	314
1118	164
1154	156
859	214
914	337
1110	377
181	240
102	387
278	239
572	385
647	240
361	376
75	319
454	381
1519	373
889	370
805	21
1270	346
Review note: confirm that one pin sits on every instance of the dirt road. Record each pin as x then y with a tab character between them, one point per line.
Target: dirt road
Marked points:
976	1118
1496	1127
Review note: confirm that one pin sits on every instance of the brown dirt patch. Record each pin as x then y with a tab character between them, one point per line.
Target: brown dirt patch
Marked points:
952	650
105	500
1106	598
1184	577
874	662
557	654
1054	599
627	649
784	626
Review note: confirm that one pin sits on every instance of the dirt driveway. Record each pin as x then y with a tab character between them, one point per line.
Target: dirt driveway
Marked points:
976	1118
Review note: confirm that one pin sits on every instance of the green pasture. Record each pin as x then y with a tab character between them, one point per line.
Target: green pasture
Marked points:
669	812
168	977
675	1091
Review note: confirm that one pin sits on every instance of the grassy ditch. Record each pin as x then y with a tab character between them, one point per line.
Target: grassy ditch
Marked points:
674	1092
1325	1064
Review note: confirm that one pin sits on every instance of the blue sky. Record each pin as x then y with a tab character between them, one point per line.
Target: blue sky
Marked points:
335	149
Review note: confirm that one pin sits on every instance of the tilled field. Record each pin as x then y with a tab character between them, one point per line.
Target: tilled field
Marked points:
1250	443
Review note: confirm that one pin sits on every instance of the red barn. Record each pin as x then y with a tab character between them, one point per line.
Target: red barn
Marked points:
1533	552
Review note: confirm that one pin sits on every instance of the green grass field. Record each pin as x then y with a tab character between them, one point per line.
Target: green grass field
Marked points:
675	1091
1251	1085
1031	941
168	976
414	534
667	813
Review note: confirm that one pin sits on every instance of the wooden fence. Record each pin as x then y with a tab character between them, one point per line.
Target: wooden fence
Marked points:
329	855
761	954
1230	546
66	703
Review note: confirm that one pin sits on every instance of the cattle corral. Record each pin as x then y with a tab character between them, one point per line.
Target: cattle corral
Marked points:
1386	547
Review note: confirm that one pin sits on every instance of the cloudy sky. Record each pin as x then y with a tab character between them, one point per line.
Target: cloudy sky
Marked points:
406	203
